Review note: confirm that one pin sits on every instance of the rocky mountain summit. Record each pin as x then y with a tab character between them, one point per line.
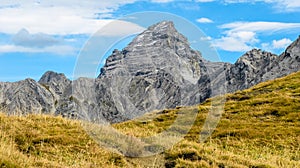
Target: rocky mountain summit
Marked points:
157	70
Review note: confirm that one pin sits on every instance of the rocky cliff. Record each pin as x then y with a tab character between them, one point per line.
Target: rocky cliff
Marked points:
249	69
25	97
157	70
257	66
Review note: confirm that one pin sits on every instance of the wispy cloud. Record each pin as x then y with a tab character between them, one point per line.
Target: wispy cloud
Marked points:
279	5
236	41
119	28
265	27
204	20
59	50
56	17
242	36
167	1
206	38
35	25
286	5
205	0
161	1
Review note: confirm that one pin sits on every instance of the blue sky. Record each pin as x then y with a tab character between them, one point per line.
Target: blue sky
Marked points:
36	35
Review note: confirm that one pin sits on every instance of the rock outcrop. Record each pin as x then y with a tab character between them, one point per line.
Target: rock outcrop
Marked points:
157	70
249	69
57	83
257	66
286	63
25	97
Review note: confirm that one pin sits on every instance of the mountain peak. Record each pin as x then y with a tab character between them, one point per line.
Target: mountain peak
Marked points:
164	26
255	55
159	34
55	82
50	76
161	46
163	23
294	48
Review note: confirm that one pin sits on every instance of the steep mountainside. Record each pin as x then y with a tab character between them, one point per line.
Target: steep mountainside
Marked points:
157	70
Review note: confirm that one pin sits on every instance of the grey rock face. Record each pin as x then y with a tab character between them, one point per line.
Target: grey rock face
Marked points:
57	83
25	97
286	63
249	70
157	70
258	66
160	47
153	72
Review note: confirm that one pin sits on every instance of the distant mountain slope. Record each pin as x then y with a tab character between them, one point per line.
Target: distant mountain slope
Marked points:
25	97
157	70
258	66
259	128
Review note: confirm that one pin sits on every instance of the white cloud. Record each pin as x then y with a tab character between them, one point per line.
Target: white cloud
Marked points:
231	44
205	0
47	18
59	50
243	36
286	5
283	43
119	28
56	17
266	27
277	44
24	38
161	1
282	5
240	1
236	41
207	38
80	6
204	20
166	1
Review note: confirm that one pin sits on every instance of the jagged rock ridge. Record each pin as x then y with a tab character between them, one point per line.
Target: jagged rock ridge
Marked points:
157	70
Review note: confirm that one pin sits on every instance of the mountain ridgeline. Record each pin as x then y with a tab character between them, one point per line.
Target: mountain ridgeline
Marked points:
157	70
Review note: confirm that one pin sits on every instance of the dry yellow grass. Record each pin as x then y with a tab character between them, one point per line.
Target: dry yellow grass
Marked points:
45	141
259	128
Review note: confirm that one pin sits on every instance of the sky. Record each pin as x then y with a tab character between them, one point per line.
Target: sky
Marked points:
41	35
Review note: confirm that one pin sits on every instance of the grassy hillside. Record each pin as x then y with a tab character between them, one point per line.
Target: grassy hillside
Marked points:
259	128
